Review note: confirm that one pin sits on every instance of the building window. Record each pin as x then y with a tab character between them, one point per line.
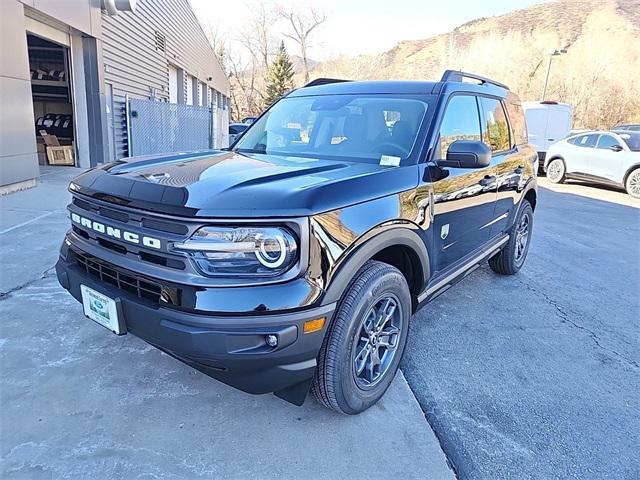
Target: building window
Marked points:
161	42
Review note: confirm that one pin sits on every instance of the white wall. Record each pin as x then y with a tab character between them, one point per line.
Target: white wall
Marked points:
79	98
189	90
173	84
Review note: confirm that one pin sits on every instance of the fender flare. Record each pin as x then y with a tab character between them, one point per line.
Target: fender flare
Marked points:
531	185
367	246
549	158
628	172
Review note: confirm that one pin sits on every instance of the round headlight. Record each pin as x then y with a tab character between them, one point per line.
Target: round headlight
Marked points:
241	251
272	249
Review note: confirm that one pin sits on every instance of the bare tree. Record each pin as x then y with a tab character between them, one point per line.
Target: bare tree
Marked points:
302	24
248	61
257	35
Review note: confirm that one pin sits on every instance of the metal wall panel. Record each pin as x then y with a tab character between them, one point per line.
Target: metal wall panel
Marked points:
18	156
136	59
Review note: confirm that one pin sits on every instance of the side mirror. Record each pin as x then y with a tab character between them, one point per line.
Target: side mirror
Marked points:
616	148
467	154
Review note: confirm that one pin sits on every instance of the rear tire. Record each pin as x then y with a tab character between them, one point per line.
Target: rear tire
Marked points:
556	171
632	185
512	256
350	377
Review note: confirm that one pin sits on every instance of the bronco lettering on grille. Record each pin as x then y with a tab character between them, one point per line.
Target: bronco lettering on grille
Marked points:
116	232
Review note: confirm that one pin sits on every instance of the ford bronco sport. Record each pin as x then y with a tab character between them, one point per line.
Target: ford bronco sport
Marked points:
294	260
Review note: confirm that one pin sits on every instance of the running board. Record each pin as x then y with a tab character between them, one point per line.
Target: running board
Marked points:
442	285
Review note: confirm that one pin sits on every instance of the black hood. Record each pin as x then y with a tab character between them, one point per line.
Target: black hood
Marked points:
229	184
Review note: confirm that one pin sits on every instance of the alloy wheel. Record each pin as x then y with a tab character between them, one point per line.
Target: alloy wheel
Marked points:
555	171
376	341
522	238
633	184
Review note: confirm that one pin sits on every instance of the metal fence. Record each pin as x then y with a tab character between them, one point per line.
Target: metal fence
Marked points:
161	127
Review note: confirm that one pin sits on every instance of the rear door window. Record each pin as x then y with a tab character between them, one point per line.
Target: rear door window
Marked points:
495	129
586	140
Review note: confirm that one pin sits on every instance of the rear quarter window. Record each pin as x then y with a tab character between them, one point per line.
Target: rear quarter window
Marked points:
518	124
585	140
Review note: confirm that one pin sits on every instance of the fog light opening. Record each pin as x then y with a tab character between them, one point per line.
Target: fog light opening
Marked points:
271	340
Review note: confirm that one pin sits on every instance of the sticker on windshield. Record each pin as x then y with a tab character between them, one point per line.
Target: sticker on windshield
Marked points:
390	161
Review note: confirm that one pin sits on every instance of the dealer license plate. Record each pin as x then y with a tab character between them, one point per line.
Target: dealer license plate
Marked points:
101	309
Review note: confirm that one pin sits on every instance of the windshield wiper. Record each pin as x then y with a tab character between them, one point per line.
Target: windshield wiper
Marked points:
250	150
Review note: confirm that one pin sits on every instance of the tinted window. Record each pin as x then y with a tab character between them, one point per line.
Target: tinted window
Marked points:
607	141
518	124
362	128
632	139
585	140
460	122
495	129
233	129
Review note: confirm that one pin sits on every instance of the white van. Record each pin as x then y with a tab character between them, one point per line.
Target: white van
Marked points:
547	123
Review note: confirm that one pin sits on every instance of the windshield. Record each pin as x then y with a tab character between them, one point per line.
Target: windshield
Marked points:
373	129
632	139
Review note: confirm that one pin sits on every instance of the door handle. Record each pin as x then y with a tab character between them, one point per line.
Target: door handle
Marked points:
487	180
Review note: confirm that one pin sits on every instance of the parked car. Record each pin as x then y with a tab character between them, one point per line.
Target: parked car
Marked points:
294	260
632	127
611	158
547	123
235	129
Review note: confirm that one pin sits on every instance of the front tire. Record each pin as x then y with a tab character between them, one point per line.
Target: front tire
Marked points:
632	185
364	345
556	171
512	256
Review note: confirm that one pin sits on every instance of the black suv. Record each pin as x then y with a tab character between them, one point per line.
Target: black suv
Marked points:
294	260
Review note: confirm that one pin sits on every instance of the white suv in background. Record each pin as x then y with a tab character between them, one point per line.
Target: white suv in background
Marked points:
611	158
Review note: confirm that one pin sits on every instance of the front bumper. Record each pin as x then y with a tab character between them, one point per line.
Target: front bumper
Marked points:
229	348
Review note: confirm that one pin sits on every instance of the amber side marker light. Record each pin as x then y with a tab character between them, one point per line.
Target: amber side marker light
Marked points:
314	325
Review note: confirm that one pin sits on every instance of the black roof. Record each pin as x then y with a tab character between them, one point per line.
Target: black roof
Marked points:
367	86
451	81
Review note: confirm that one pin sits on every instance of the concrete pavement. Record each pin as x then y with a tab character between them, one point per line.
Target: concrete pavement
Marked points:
79	402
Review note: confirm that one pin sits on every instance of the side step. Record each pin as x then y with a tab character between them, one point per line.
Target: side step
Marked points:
454	277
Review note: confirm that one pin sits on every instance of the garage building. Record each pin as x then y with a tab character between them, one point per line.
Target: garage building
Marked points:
84	82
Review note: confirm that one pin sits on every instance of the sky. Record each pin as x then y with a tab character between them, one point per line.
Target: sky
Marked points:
359	26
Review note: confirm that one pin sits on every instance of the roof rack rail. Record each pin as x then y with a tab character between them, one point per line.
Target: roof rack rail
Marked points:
458	76
325	81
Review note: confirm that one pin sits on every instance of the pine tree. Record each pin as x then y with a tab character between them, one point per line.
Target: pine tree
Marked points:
280	76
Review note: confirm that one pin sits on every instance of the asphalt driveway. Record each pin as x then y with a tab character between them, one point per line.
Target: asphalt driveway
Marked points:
537	375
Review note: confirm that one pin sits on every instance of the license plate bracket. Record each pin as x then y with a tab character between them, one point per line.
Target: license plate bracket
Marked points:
103	310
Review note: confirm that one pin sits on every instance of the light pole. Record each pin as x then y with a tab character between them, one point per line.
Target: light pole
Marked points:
555	53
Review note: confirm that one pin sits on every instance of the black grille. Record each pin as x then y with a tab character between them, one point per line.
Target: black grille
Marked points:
124	281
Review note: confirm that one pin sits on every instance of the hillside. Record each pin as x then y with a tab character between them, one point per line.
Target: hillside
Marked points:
599	74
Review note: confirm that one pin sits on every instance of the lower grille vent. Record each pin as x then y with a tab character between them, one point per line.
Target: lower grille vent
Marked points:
114	276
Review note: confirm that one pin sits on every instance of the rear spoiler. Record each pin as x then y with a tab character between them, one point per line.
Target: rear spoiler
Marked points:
458	76
324	81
